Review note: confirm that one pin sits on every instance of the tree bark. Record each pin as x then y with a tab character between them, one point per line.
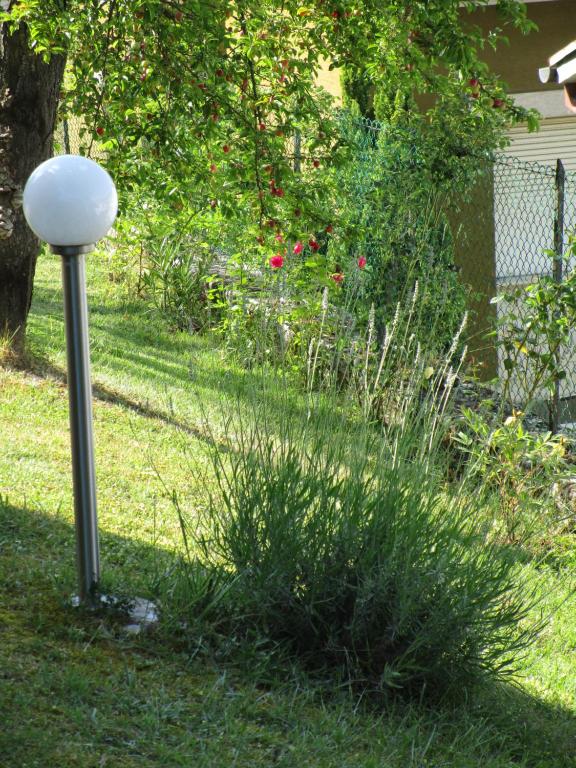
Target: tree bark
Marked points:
29	94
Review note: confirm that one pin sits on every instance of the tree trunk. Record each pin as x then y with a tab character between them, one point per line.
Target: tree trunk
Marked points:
29	93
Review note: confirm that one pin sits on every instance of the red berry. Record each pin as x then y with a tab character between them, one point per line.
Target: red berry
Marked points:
474	82
213	168
329	229
219	73
314	245
225	149
262	126
498	103
100	130
316	163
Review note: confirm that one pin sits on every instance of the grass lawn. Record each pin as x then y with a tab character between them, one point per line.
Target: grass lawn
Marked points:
77	691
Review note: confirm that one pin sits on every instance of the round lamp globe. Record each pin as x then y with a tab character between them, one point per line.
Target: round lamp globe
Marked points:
70	201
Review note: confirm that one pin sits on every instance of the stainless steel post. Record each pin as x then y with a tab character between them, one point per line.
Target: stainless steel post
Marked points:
80	403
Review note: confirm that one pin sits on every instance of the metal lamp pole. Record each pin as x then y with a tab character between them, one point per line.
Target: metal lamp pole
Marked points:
69	200
80	407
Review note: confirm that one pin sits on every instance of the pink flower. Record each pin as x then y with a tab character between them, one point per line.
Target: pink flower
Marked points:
362	262
298	248
314	245
337	277
276	261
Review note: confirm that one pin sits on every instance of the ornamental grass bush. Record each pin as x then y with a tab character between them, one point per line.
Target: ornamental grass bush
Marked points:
331	534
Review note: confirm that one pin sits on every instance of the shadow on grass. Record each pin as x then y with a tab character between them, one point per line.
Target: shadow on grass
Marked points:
37	575
139	346
43	368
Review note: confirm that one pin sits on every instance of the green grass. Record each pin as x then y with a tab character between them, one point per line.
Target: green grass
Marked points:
76	691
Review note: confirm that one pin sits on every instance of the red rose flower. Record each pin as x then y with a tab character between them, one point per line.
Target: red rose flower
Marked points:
314	245
298	248
276	261
337	277
362	262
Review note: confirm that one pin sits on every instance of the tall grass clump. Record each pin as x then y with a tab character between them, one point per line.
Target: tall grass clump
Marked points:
332	535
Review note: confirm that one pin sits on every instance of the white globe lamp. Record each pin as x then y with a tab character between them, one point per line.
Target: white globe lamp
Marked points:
70	202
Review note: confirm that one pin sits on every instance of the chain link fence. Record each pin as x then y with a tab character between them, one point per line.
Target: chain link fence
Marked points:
534	213
72	138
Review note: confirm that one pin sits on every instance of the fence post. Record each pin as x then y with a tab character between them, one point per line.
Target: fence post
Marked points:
554	421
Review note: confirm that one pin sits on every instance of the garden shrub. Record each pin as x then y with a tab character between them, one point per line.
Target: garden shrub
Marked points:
394	201
177	278
337	540
520	468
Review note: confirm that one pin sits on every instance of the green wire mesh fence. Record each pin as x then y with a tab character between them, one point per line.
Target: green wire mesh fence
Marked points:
509	223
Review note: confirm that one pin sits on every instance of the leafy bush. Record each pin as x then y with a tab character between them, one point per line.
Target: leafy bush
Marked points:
176	277
533	333
520	467
393	200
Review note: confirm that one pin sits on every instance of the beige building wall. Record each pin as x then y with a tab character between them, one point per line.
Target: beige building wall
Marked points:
329	79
